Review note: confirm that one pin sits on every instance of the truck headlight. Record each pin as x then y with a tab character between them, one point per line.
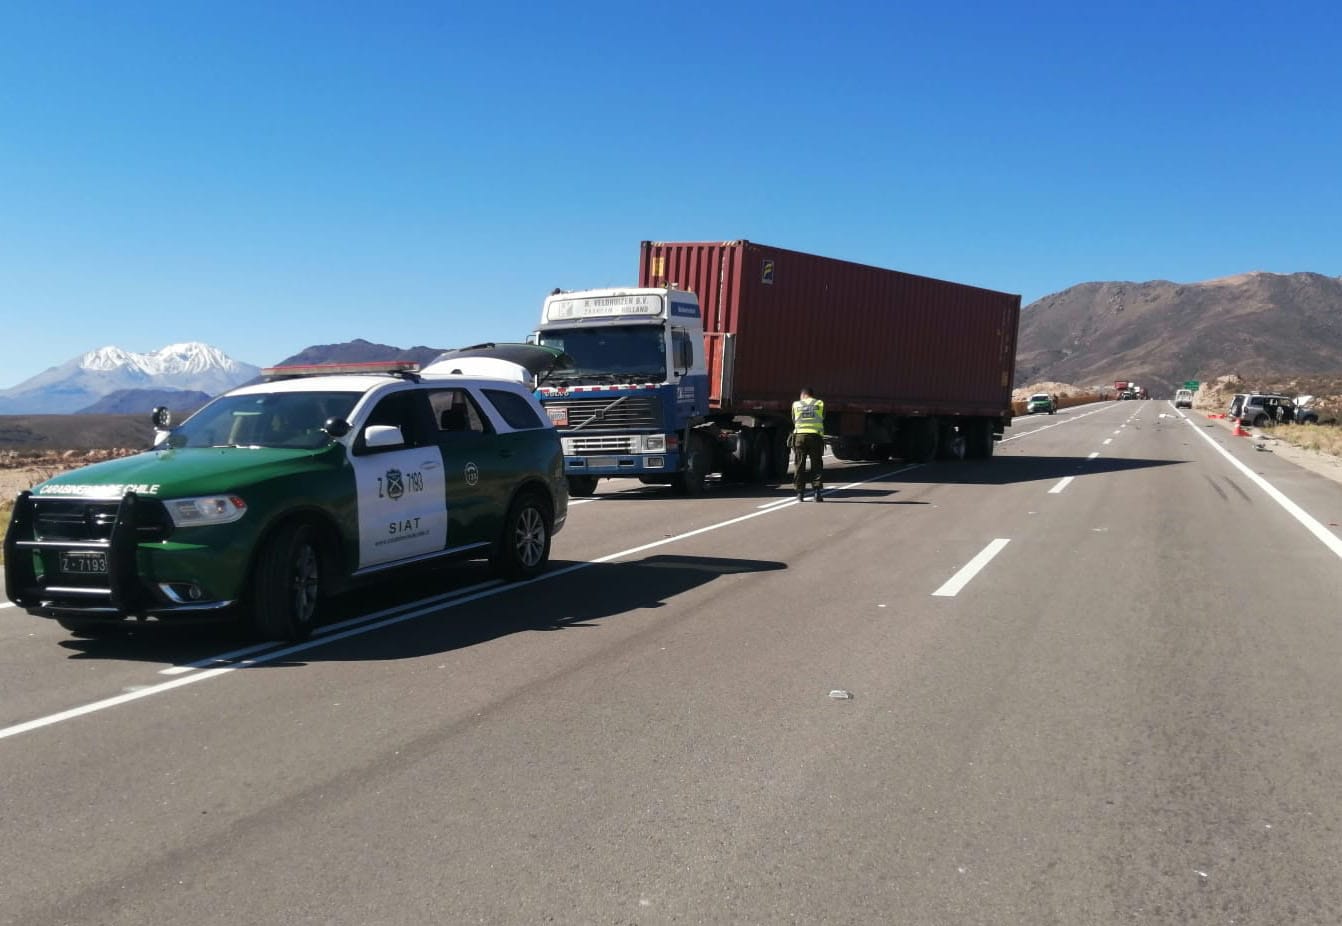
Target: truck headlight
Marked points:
654	443
209	509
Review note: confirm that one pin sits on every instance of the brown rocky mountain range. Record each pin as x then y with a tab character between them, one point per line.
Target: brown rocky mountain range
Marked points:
1161	333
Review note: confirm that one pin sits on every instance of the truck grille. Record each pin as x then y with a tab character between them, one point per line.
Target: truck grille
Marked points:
632	412
615	443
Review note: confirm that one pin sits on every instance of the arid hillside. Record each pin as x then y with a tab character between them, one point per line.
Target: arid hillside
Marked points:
1160	333
74	432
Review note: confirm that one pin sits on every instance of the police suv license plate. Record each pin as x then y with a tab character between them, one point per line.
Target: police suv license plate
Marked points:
84	562
558	415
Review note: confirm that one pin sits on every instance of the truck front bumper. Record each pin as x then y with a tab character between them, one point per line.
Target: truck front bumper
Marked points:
622	464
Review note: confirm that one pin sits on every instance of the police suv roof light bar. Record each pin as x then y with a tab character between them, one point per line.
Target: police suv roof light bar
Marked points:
405	369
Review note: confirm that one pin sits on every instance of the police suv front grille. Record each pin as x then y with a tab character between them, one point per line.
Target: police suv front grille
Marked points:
73	519
613	444
641	411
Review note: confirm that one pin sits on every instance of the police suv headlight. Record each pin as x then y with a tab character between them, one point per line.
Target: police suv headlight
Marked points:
654	443
209	509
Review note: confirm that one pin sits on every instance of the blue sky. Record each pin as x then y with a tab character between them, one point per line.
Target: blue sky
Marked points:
263	177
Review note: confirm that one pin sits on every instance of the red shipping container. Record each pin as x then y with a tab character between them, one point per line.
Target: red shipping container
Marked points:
865	338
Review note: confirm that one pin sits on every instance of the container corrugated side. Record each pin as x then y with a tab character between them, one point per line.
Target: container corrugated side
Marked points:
865	338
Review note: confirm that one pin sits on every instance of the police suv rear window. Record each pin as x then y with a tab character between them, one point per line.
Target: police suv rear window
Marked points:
515	410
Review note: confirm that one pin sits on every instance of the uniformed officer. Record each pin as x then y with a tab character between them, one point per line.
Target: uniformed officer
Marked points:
808	430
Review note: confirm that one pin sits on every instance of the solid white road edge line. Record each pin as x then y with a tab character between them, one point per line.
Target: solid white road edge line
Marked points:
369	626
968	571
1062	484
1327	537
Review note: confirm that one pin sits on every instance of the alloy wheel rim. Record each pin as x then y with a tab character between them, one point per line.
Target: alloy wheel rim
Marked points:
530	537
306	579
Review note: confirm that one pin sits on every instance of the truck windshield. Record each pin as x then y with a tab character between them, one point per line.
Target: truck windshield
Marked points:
273	419
612	354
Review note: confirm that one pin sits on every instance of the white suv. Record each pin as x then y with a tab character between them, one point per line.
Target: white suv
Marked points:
1262	409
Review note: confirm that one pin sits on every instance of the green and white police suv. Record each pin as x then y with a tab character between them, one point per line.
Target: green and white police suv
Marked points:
275	495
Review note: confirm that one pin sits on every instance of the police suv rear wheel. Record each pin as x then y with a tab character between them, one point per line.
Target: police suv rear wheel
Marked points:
287	584
524	548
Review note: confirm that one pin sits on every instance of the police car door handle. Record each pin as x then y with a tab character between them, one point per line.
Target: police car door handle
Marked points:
428	464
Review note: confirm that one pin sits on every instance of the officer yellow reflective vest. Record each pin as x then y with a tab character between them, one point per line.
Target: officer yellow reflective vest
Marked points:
808	416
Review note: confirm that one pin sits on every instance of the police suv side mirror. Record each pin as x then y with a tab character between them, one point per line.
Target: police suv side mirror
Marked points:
336	427
382	435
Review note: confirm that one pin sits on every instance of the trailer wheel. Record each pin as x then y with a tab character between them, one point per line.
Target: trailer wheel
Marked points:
781	455
581	486
763	470
951	443
979	439
691	480
848	450
919	443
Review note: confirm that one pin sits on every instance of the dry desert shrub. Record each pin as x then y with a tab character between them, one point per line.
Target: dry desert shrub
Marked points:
1323	438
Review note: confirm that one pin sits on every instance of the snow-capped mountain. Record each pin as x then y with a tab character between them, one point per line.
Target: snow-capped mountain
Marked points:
82	381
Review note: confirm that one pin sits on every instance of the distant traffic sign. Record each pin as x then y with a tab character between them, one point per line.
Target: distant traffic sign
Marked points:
1191	384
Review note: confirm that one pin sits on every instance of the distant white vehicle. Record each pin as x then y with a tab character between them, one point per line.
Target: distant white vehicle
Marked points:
1183	398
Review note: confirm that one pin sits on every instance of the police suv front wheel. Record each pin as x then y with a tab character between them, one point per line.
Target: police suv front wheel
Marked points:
524	548
287	584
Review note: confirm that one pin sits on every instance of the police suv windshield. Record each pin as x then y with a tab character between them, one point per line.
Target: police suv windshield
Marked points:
269	419
623	353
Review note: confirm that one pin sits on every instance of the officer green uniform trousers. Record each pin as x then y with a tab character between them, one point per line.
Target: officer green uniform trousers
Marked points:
810	450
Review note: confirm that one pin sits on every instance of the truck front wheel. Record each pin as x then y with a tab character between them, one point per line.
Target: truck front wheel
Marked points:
287	583
581	486
690	481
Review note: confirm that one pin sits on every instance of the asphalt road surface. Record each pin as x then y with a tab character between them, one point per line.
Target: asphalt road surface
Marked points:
1094	680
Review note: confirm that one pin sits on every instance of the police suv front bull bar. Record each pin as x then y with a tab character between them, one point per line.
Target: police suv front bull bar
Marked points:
123	594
